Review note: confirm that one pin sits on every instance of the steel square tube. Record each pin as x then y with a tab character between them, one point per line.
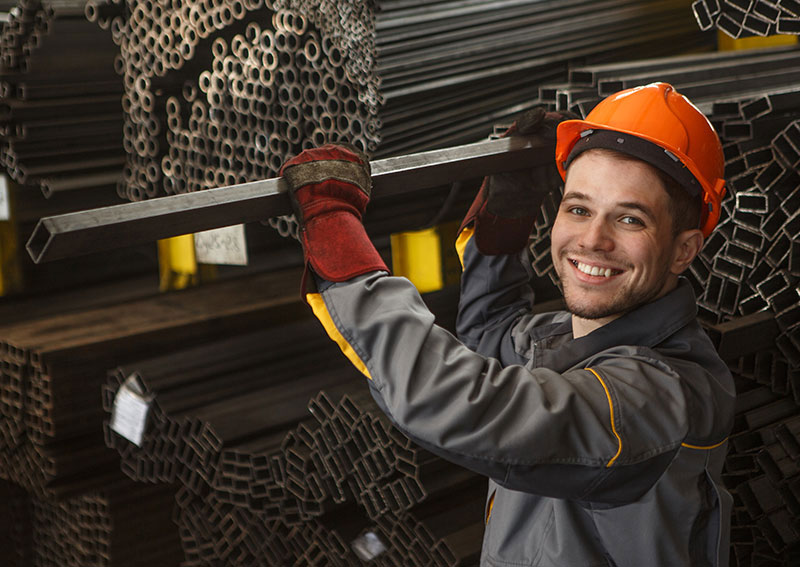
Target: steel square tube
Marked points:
729	296
740	255
741	5
704	17
767	11
772	224
772	285
769	176
785	149
785	299
730	270
792	226
794	258
760	157
746	219
146	221
752	304
747	238
789	26
755	108
729	24
778	253
757	24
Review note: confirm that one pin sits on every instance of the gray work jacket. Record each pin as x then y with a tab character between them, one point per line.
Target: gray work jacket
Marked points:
605	450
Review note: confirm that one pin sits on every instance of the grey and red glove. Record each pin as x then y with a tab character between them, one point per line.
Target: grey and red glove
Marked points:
505	209
329	188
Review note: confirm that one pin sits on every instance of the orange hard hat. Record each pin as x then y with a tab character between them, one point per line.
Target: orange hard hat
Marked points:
656	124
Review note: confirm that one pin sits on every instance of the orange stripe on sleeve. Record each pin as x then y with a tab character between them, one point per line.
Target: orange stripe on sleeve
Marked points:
704	448
613	424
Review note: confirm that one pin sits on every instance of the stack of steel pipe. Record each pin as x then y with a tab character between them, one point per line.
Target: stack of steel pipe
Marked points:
224	91
51	437
60	111
748	18
122	524
284	458
209	401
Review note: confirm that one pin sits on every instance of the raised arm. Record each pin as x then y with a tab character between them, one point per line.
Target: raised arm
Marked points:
493	239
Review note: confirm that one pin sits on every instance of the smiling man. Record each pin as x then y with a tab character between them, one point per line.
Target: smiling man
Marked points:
602	429
613	243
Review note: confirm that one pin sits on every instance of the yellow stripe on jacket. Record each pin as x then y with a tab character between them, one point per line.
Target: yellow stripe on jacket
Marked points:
461	243
321	312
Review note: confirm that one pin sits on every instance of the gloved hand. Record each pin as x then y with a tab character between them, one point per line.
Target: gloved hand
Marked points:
329	188
507	204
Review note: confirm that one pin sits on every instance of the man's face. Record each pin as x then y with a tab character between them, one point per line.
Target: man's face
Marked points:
612	241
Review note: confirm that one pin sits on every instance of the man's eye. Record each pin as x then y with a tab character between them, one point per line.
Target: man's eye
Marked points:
578	211
632	220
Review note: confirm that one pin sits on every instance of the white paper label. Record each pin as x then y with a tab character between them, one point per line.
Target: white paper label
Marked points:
368	546
5	206
225	245
129	414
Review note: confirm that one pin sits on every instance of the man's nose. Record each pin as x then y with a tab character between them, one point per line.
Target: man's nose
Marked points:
597	235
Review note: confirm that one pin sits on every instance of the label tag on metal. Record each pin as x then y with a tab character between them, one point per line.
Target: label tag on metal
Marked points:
225	245
368	546
5	205
131	407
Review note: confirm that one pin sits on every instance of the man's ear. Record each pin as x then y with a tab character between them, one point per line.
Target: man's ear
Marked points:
686	248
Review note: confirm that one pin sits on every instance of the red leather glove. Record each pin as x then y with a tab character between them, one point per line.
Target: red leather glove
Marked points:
329	188
505	209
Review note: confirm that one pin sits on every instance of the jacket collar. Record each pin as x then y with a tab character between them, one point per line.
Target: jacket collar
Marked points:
647	326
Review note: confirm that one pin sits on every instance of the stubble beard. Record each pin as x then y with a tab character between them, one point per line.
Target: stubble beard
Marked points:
622	301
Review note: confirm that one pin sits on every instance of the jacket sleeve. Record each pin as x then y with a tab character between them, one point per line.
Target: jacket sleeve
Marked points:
495	293
602	434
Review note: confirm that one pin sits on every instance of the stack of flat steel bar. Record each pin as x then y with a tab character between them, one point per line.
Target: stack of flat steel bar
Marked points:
450	70
60	110
103	528
748	18
749	269
51	439
284	458
223	91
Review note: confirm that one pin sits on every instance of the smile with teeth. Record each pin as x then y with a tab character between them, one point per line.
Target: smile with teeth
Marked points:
595	270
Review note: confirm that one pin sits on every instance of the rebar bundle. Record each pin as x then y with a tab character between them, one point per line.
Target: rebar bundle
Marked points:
60	111
747	18
98	529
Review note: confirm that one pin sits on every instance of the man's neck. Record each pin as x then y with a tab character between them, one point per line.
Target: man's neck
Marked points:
582	327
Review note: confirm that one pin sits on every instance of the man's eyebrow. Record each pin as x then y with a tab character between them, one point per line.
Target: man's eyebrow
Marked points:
577	195
637	207
634	205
